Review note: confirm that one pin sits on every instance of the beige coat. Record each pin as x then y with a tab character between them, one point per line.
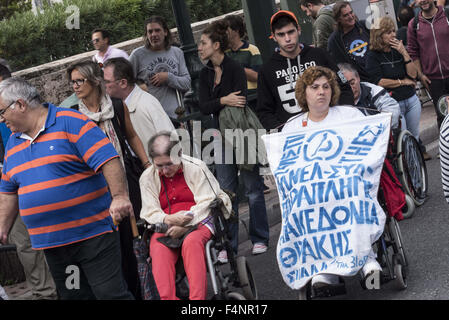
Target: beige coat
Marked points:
195	172
147	116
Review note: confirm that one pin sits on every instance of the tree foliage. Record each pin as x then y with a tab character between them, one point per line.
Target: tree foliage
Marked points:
9	7
27	40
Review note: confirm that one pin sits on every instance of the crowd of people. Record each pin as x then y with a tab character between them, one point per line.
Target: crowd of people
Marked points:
79	173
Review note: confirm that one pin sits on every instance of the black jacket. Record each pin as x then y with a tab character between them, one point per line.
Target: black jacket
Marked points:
276	102
336	48
233	79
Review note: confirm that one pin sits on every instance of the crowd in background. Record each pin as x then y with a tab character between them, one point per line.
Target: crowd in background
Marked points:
131	99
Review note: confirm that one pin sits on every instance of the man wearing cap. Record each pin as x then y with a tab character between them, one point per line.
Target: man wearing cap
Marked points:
276	101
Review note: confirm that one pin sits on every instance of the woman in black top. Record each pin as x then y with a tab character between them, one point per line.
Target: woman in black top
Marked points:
391	67
223	85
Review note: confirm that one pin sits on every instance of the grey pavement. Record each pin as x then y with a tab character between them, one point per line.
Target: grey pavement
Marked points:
428	133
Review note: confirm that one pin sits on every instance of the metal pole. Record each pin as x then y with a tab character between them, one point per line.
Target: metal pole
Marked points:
257	19
304	21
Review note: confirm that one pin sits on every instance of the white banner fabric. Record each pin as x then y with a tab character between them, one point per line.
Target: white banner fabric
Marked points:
327	180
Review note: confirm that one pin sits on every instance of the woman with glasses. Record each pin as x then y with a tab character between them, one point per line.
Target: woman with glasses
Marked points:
160	65
112	116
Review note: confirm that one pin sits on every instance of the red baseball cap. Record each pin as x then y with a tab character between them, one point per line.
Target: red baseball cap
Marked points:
282	13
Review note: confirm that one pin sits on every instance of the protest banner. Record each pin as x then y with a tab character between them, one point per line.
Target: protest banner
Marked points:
327	180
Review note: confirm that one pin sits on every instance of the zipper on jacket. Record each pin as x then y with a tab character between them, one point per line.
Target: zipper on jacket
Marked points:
436	46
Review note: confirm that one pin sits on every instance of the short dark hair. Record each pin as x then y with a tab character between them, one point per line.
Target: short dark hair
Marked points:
104	33
314	2
4	72
123	69
161	21
236	23
405	14
283	21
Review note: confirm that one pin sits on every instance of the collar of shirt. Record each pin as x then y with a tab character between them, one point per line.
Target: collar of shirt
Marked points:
128	98
51	119
103	58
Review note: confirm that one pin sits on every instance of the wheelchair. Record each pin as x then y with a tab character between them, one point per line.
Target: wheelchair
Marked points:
391	256
230	281
408	161
406	156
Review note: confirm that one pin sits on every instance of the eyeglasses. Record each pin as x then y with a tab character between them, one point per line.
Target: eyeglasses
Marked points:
95	40
78	82
4	110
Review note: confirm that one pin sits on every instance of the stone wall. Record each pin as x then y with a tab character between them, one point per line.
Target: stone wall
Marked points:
50	78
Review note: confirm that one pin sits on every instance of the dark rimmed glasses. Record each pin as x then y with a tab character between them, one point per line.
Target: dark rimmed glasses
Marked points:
78	82
4	110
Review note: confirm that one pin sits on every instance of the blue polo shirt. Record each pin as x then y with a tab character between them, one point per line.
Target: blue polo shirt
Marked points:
63	197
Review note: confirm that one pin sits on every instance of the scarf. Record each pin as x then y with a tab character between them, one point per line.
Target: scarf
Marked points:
103	119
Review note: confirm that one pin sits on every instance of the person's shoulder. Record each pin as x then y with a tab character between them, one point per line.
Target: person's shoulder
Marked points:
374	54
348	111
176	50
292	123
138	51
253	49
334	36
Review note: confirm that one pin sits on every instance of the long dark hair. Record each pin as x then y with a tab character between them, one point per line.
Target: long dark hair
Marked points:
161	21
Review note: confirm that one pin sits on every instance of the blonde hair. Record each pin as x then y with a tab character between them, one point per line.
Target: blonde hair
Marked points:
386	24
308	78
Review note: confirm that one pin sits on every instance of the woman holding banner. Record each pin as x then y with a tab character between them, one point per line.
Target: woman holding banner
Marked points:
317	92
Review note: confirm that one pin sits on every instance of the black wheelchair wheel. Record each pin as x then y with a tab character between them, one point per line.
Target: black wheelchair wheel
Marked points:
398	246
234	296
247	283
412	167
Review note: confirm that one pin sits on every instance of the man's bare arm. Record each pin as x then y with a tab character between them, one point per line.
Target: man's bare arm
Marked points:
115	178
8	212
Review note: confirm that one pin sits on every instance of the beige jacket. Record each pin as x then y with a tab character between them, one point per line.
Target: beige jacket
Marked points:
195	172
147	116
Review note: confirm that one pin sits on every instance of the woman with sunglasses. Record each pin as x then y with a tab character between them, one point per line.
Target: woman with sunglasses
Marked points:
112	116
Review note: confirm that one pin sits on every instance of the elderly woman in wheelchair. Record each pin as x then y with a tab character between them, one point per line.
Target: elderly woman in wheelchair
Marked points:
177	190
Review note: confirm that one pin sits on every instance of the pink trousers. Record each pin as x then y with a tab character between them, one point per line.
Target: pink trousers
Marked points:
193	254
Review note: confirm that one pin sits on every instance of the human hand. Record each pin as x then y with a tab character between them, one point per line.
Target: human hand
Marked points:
176	232
426	82
398	45
178	219
3	236
120	208
409	82
159	79
234	100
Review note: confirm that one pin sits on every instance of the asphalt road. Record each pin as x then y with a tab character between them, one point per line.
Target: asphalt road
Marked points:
426	240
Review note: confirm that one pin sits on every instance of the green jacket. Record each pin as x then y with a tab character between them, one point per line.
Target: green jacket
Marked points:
323	27
248	148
